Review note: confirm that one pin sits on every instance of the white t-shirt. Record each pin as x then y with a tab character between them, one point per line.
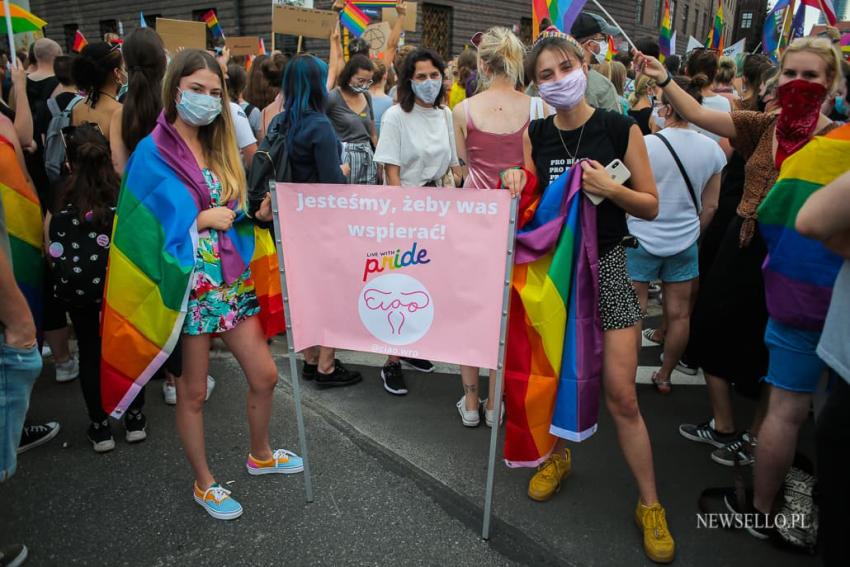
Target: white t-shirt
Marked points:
716	102
244	133
677	225
421	142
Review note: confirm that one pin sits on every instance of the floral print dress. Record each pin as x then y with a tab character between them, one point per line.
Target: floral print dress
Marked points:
214	306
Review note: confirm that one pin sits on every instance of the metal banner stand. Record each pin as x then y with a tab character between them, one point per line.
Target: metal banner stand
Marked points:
500	371
293	362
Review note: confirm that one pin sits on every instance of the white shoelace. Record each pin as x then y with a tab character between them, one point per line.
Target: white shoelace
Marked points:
282	454
219	493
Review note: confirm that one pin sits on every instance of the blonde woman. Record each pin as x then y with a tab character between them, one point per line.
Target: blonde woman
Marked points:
488	129
726	71
641	105
615	72
188	175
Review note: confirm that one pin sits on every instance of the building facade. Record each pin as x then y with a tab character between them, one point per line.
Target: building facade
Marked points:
750	22
445	25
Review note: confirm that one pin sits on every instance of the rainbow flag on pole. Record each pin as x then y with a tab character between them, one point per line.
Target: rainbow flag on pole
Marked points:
212	24
553	366
665	36
79	42
799	272
22	21
152	259
24	224
715	36
561	13
353	19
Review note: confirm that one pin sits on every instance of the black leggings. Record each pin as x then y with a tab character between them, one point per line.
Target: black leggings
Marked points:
832	436
86	321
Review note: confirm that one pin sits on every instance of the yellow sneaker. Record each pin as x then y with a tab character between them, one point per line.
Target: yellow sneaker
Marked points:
547	480
658	544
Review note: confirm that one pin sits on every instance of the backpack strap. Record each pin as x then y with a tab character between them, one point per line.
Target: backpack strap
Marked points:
681	170
53	107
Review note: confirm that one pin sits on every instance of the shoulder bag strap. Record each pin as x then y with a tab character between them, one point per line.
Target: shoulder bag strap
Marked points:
681	170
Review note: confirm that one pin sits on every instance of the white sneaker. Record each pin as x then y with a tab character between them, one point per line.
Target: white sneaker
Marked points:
45	351
169	393
490	414
470	418
68	370
210	386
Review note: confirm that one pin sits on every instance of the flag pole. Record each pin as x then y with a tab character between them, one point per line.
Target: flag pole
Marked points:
273	34
611	18
13	57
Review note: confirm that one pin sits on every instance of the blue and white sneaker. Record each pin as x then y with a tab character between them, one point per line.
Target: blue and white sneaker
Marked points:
217	502
282	462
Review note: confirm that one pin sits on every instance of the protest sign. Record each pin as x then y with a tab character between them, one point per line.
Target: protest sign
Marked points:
181	33
243	45
377	35
735	49
389	15
305	22
398	271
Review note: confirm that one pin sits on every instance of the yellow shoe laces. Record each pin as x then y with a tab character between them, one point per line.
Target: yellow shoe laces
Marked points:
657	523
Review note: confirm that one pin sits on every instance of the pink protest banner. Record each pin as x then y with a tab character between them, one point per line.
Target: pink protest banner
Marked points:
401	271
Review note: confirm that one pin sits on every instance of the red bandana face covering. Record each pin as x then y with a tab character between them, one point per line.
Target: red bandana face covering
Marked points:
800	101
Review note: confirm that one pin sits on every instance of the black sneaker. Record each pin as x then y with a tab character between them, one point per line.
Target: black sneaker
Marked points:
135	423
34	435
418	364
740	451
393	378
341	376
13	555
759	525
100	435
705	433
309	371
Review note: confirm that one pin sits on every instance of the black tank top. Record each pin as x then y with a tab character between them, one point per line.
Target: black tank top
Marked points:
605	138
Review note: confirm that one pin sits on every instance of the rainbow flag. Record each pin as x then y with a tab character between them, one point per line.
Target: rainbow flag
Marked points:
799	272
22	21
612	49
152	259
772	26
24	224
353	19
79	42
554	349
666	33
212	24
715	36
562	13
262	49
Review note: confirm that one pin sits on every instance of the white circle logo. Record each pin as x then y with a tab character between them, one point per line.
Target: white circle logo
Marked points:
397	309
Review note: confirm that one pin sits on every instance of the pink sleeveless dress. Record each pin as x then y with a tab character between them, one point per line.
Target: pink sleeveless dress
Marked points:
489	154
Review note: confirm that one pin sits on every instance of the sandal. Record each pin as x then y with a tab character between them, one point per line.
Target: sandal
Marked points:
649	333
663	386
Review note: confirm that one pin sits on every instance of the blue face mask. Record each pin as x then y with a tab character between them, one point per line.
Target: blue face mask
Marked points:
427	90
841	106
197	109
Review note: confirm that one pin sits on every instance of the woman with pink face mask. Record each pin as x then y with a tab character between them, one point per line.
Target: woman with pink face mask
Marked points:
551	146
755	348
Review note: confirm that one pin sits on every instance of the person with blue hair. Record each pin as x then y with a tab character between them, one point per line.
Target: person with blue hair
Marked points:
314	155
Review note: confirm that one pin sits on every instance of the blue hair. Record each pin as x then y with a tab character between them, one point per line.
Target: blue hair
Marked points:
304	88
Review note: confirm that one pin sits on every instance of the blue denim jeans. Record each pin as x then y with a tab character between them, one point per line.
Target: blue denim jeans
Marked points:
18	371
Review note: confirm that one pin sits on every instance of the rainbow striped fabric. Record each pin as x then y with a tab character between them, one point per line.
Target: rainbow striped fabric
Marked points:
666	33
22	21
353	18
24	224
799	272
211	20
152	258
562	13
554	349
715	36
375	3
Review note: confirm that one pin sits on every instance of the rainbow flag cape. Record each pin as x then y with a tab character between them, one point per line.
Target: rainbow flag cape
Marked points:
799	272
22	21
212	24
80	42
353	19
24	224
562	13
666	32
151	261
554	346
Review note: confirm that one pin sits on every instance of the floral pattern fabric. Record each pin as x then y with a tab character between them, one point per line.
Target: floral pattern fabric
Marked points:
215	307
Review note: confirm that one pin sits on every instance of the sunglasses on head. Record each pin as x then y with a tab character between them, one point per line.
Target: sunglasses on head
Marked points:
476	39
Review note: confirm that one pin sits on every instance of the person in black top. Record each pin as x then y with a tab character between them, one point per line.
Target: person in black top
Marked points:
552	145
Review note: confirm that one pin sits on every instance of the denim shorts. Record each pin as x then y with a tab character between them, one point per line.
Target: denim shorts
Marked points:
793	365
18	371
646	267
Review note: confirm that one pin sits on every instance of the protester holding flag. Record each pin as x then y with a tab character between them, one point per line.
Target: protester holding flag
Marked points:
557	64
735	285
99	72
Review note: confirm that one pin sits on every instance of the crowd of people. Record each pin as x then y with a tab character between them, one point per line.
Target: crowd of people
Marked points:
707	141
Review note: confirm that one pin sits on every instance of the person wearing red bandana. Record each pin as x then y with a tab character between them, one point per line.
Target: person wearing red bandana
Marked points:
734	287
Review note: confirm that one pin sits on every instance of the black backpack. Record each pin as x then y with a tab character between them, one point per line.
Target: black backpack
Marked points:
270	164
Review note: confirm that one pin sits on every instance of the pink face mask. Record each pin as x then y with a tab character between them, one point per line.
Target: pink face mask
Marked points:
565	93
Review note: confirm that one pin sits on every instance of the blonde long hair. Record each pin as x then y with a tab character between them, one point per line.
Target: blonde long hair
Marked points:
218	139
503	53
824	49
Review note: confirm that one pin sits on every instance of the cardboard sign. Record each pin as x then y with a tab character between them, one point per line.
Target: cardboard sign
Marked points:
389	15
181	33
243	45
377	35
292	20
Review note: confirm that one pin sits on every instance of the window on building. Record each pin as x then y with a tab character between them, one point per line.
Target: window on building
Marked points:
685	12
638	11
437	29
705	23
526	30
108	26
746	20
70	32
657	12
